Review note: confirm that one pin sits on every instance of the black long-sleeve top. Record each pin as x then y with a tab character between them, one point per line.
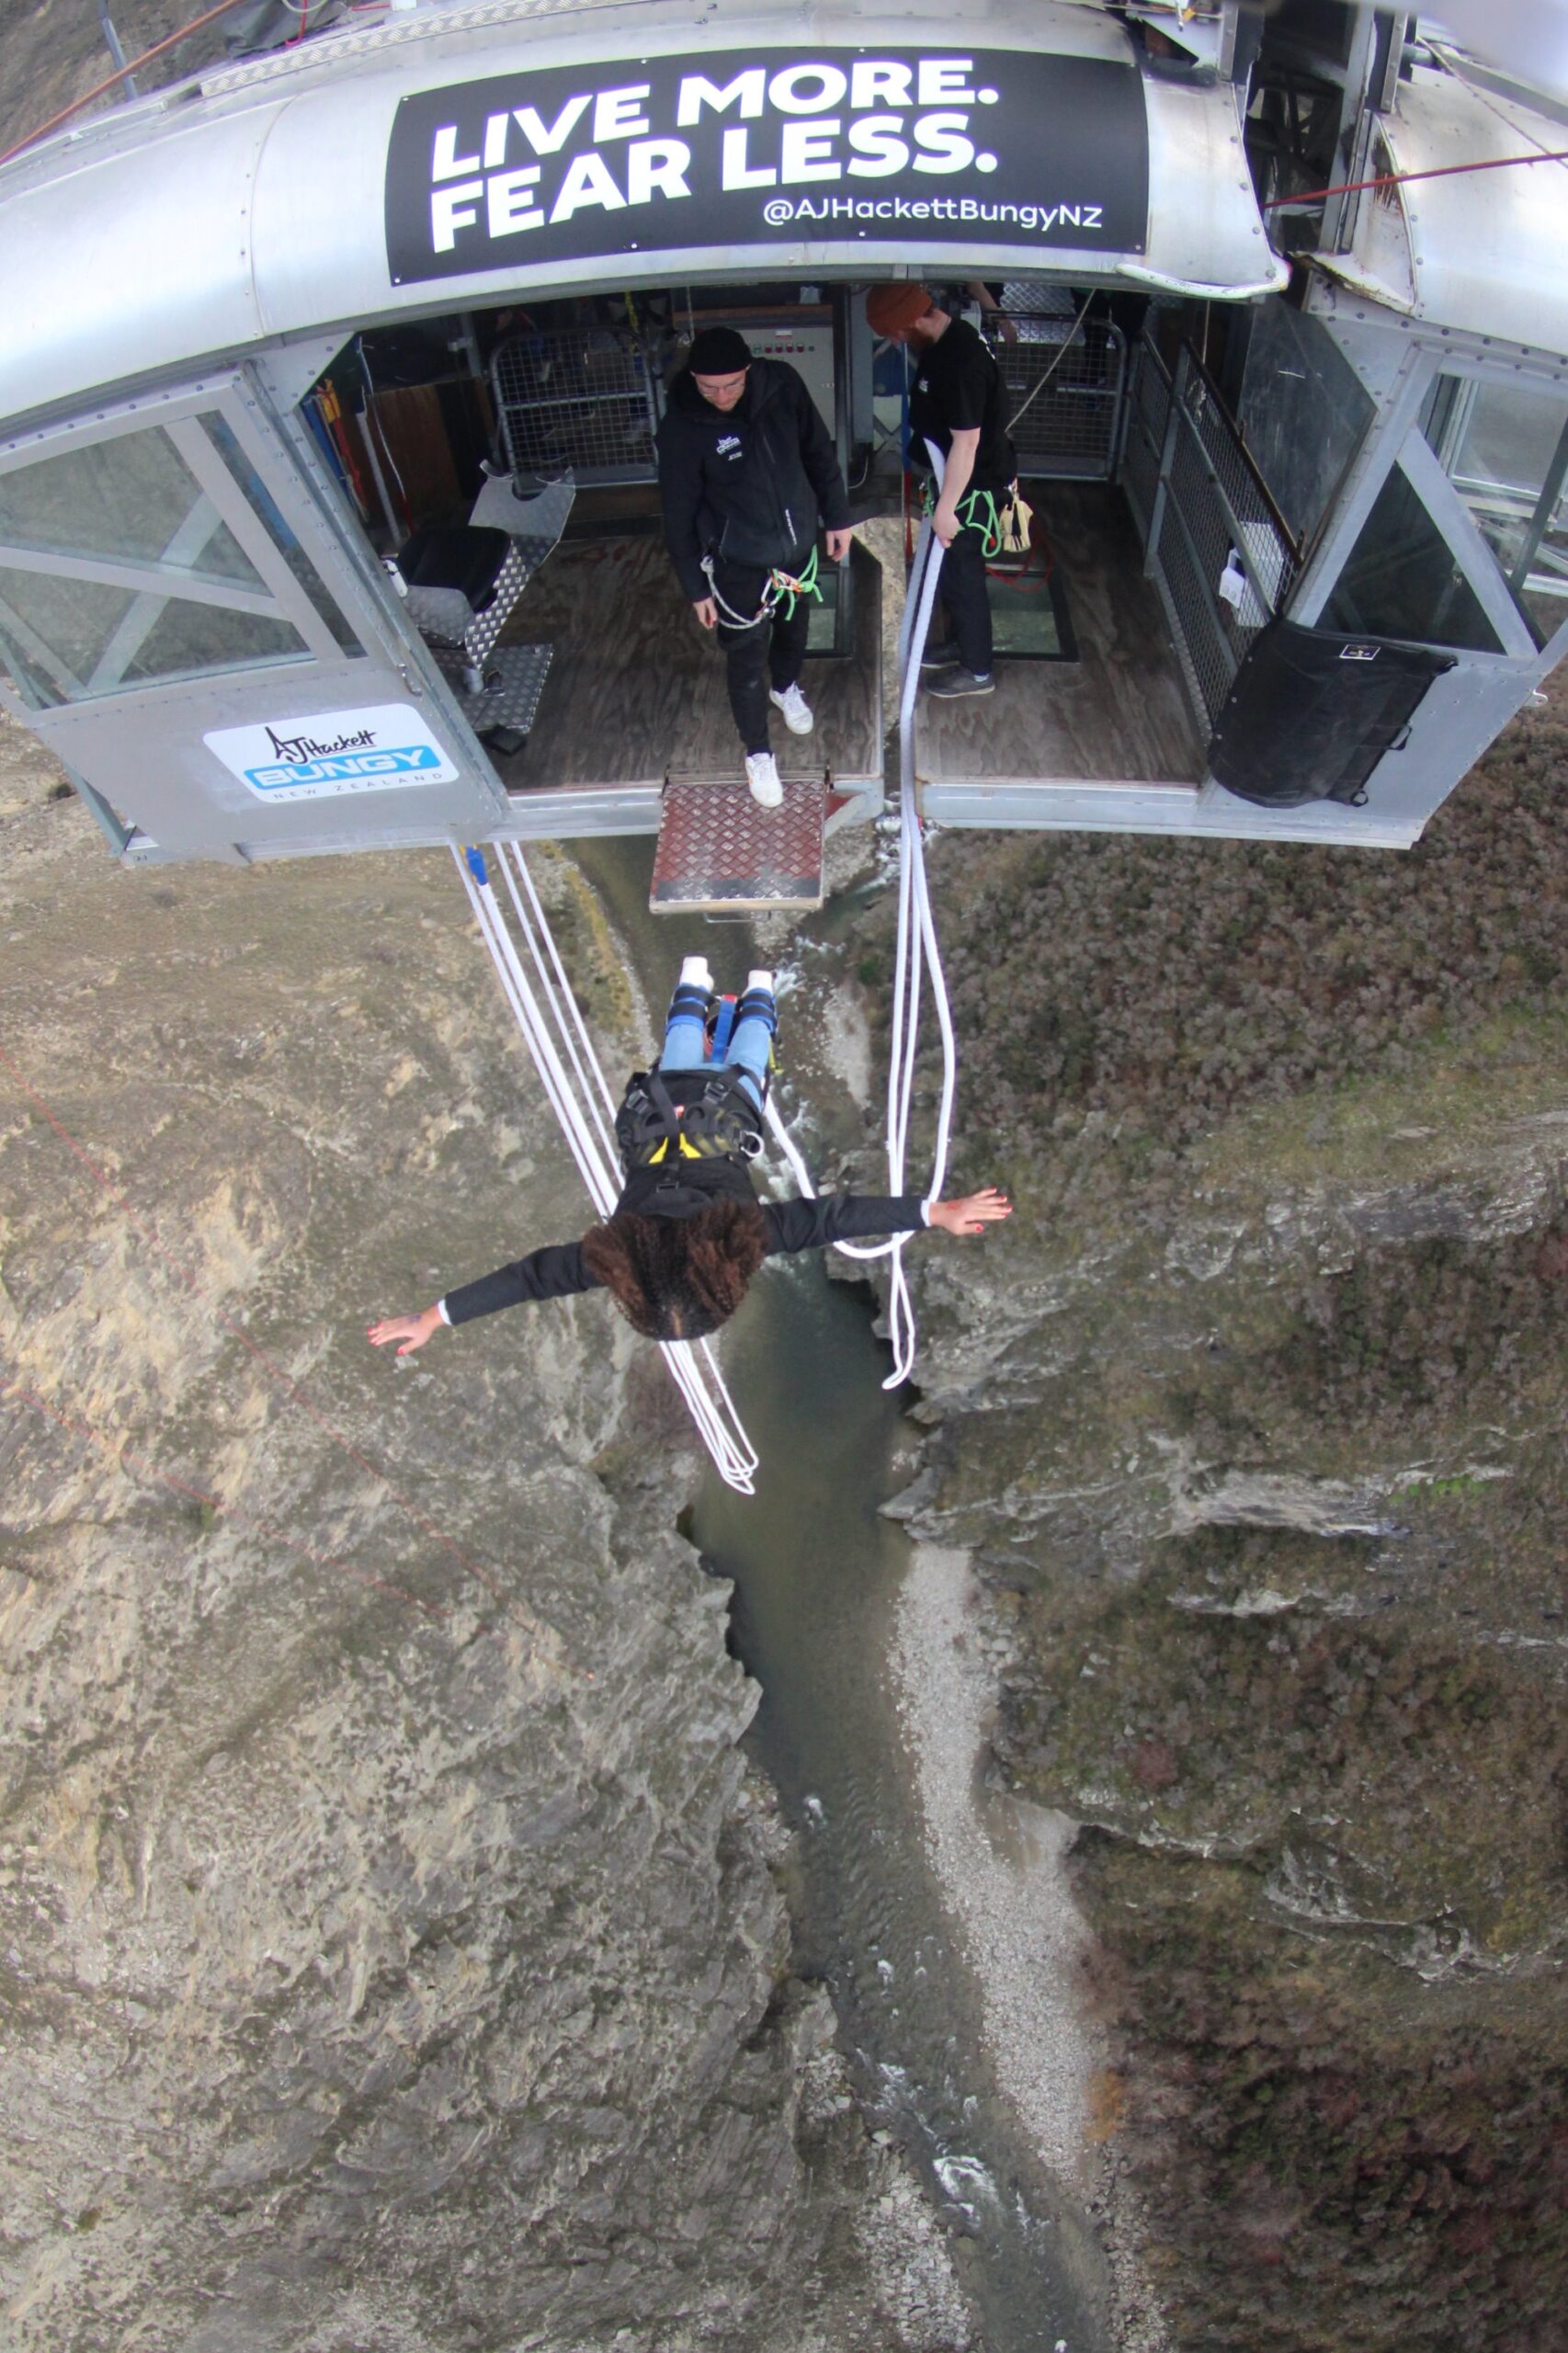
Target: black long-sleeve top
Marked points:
557	1270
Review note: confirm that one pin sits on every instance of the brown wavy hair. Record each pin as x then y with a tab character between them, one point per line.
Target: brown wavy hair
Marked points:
678	1279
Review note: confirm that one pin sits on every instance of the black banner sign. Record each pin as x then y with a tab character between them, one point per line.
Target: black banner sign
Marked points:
739	149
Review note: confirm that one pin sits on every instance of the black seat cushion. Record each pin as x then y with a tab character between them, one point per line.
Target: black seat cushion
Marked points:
463	556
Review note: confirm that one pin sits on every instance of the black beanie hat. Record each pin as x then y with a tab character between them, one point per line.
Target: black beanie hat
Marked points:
718	351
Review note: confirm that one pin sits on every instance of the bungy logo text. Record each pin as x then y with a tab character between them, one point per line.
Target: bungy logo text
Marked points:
331	752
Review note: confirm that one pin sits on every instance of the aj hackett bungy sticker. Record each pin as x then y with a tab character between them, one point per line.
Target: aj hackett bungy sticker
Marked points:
992	146
333	751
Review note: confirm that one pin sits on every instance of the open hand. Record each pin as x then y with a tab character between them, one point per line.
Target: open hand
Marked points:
707	612
412	1331
974	1212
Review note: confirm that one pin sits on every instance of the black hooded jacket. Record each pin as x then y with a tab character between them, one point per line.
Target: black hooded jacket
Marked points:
557	1270
750	483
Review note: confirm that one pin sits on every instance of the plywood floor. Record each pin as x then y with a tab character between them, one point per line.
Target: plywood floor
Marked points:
1118	713
636	689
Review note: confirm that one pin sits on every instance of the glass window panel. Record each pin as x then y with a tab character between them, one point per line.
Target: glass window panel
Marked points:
1303	411
1505	448
1404	580
132	498
81	621
187	638
273	522
22	670
73	618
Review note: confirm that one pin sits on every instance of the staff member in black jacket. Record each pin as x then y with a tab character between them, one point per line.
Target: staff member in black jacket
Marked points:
688	1232
747	472
957	403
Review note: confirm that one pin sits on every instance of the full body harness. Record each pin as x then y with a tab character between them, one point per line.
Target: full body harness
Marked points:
778	585
709	1117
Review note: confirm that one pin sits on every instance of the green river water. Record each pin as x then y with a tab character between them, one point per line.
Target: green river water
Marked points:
816	1572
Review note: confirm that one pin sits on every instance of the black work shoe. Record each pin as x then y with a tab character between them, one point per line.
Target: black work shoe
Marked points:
954	684
940	657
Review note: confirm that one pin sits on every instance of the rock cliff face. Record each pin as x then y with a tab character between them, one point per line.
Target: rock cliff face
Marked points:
391	1952
1253	1425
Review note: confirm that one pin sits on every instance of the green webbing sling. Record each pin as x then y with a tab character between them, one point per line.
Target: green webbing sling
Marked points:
976	512
804	584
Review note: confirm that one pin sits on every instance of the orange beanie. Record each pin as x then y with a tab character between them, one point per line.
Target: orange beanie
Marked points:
890	309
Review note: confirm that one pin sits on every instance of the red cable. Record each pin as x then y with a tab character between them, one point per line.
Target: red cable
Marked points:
119	75
133	1467
274	1370
1397	179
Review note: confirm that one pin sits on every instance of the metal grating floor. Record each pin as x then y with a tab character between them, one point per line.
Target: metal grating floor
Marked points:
719	851
518	673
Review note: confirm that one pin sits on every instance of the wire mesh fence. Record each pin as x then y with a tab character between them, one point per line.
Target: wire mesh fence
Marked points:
577	397
1149	402
1216	546
1064	386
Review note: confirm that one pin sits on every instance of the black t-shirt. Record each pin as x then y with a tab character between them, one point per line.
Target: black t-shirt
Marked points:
958	386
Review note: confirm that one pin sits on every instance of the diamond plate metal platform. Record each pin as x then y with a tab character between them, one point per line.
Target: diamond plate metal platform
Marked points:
719	853
518	673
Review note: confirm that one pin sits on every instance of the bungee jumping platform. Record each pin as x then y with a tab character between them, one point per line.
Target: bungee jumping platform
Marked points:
719	853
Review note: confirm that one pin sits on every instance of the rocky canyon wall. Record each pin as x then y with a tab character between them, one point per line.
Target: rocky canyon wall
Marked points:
1251	1424
392	1955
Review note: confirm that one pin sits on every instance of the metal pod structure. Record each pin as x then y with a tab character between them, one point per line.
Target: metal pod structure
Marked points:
1291	395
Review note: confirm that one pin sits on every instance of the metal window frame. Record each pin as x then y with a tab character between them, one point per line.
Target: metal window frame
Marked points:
155	586
1364	478
42	656
1396	438
161	581
341	558
336	541
1476	374
1423	470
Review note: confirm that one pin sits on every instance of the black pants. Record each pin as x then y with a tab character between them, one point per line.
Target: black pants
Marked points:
770	653
965	601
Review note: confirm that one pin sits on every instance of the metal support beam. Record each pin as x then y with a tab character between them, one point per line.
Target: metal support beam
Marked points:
1474	558
112	42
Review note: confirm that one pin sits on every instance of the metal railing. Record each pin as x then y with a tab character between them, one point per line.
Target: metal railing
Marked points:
1215	544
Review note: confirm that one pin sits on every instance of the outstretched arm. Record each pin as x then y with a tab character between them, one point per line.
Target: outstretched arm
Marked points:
412	1331
972	1212
554	1272
859	1217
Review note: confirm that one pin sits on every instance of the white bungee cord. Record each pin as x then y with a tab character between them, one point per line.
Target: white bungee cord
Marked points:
918	951
551	1023
557	1039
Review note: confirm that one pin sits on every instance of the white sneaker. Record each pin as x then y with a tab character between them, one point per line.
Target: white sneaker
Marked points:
762	774
694	974
759	980
796	708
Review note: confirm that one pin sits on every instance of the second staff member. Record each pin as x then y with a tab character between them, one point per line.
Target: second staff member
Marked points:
957	403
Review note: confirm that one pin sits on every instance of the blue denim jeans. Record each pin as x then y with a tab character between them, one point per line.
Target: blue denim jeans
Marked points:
686	1037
